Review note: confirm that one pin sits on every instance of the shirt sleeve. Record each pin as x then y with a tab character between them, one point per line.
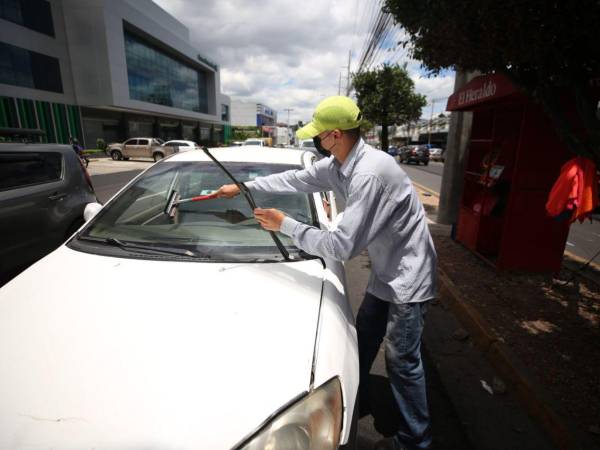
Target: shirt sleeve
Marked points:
313	179
367	212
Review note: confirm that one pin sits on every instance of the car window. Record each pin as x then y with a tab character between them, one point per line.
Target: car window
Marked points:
130	142
142	142
225	228
24	169
170	144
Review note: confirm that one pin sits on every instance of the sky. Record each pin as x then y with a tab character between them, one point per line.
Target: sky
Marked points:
289	54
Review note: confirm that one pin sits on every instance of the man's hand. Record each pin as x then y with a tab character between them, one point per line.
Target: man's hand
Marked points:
228	191
269	219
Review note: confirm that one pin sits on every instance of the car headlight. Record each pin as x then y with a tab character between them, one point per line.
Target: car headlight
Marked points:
314	422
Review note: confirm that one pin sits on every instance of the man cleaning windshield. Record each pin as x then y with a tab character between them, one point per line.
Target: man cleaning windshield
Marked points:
384	215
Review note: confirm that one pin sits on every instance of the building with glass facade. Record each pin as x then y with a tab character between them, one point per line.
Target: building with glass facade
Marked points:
105	69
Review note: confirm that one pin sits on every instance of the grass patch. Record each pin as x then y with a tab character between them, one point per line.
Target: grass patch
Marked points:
92	151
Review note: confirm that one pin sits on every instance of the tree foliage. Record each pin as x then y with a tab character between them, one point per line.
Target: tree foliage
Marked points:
386	96
545	47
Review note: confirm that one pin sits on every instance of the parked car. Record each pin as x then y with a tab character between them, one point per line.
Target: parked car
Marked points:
414	153
182	146
436	154
140	148
306	143
182	327
44	189
258	142
392	150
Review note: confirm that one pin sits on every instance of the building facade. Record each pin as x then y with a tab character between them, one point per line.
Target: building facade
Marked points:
252	114
423	131
105	69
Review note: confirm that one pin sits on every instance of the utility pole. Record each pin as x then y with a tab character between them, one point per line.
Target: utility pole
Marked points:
348	76
340	85
433	102
459	132
288	123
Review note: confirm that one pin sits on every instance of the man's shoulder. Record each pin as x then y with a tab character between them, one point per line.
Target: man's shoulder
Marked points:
374	161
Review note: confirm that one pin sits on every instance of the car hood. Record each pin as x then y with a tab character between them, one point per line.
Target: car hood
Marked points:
114	353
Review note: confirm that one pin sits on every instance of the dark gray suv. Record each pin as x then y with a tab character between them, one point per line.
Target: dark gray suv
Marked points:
414	153
44	189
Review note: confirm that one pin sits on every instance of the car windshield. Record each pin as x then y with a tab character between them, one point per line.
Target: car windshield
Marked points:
223	229
308	144
252	142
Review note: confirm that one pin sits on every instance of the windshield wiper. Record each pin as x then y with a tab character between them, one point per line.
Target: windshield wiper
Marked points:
248	196
125	245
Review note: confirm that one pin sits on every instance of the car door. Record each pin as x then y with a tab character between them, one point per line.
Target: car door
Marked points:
31	185
144	149
130	148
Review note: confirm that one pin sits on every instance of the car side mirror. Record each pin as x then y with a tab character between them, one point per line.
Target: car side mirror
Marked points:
91	209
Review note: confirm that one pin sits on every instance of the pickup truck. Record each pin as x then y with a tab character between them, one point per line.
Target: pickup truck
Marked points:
143	147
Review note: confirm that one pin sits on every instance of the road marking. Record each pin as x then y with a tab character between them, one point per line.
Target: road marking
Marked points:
426	189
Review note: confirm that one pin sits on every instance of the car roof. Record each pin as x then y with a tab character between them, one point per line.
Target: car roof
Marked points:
245	154
181	140
21	147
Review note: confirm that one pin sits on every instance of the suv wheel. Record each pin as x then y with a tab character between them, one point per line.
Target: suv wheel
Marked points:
158	156
116	155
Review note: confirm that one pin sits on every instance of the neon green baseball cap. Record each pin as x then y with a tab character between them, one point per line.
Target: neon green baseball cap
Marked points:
337	112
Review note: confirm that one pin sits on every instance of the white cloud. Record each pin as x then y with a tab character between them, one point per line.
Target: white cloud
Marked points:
283	53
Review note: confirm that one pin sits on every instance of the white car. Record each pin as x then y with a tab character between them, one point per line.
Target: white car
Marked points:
436	154
255	142
182	146
170	325
307	144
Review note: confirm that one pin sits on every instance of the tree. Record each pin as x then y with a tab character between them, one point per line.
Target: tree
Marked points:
386	96
544	47
366	126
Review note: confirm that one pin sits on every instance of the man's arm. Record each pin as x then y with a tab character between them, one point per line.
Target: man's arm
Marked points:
313	179
367	212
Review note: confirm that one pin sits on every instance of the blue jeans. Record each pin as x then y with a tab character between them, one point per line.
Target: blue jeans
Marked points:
401	326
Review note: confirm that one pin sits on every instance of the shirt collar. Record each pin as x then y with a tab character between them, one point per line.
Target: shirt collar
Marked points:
346	168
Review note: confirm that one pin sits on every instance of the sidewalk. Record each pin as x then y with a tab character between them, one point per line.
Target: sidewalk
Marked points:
541	333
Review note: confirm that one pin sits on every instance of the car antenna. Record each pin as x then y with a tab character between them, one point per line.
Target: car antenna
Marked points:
248	196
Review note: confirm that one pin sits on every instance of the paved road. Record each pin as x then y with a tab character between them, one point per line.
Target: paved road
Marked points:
109	176
583	240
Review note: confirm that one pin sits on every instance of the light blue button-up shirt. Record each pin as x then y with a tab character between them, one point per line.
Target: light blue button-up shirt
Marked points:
383	214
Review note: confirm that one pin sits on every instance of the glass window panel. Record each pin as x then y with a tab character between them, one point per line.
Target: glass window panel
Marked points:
33	14
24	169
158	78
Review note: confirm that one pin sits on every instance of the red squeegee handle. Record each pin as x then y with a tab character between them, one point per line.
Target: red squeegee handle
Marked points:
197	198
203	197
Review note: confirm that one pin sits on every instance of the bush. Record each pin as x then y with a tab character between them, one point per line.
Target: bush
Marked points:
100	144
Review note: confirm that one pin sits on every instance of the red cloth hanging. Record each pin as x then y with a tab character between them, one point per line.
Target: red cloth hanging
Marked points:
575	192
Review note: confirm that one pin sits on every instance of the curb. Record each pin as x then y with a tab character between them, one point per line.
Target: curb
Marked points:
507	365
426	189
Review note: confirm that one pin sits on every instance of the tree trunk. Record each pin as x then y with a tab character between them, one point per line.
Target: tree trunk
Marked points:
384	136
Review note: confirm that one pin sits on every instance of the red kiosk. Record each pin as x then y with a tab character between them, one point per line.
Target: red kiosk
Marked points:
514	158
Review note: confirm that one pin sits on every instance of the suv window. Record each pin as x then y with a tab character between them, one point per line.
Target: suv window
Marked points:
142	142
24	169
